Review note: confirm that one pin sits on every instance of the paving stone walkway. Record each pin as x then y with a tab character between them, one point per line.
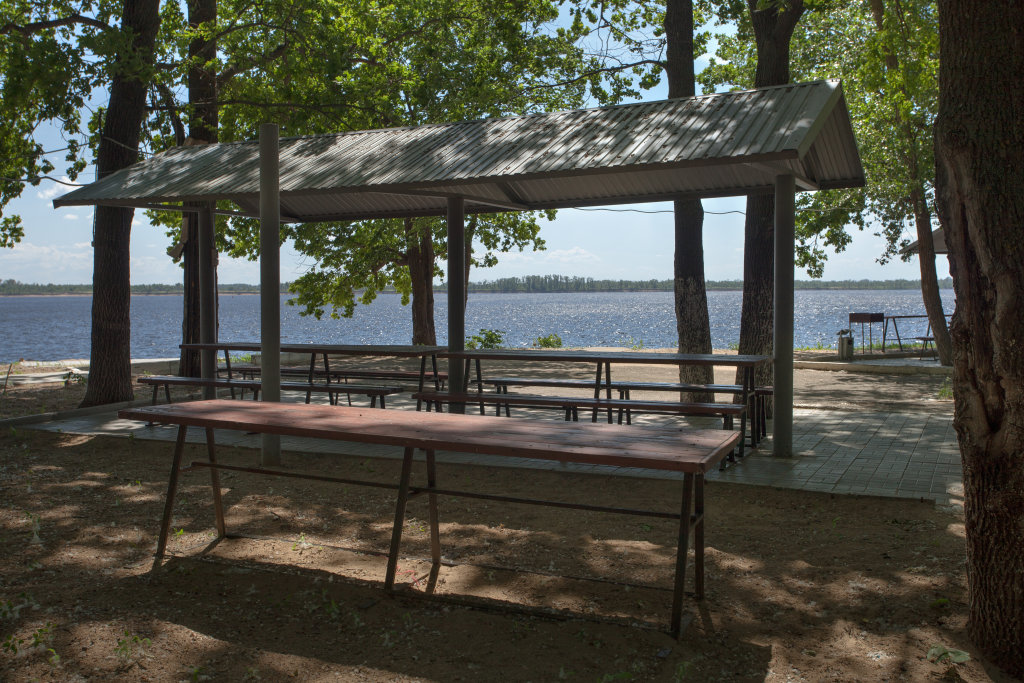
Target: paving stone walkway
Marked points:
904	455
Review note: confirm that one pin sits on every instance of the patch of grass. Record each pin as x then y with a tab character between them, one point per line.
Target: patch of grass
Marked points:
946	390
131	646
635	344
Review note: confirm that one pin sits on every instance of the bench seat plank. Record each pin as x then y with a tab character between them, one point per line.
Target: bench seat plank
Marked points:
619	386
662	448
717	409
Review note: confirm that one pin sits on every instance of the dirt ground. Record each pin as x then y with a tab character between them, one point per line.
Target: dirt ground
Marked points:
800	586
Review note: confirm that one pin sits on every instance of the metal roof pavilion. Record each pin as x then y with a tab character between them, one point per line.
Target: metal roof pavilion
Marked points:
769	139
715	145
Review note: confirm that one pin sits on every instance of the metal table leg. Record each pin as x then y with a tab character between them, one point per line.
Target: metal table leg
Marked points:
396	531
172	489
218	504
685	522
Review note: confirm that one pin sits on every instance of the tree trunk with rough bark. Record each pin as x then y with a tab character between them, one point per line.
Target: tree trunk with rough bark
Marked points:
979	152
110	372
693	325
421	273
773	30
930	279
202	98
468	257
757	332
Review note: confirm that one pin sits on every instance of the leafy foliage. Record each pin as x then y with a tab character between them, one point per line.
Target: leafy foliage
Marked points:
889	80
53	56
487	339
550	341
322	67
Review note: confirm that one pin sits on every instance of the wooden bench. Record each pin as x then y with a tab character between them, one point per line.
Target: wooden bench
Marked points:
374	393
623	388
691	453
572	404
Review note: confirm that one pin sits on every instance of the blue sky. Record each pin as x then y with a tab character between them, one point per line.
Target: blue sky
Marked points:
600	244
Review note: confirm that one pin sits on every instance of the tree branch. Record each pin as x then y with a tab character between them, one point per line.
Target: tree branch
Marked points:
167	95
594	72
38	26
230	72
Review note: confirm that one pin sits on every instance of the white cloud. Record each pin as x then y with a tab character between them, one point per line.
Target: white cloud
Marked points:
33	263
71	216
54	189
572	255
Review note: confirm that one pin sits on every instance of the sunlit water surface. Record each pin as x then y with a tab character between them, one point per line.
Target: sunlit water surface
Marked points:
58	327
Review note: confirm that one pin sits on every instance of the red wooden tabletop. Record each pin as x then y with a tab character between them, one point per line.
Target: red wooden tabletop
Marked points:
664	448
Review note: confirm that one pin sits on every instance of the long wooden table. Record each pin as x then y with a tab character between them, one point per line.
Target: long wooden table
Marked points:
690	452
602	360
327	350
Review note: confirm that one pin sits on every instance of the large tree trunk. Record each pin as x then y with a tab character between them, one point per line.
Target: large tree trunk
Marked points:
110	372
188	362
692	323
979	155
202	99
757	332
467	261
421	274
773	30
930	278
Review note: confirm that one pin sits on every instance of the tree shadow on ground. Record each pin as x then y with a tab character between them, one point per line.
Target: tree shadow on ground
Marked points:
829	586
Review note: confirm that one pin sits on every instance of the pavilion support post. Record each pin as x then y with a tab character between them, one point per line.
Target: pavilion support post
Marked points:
456	295
785	217
207	296
270	281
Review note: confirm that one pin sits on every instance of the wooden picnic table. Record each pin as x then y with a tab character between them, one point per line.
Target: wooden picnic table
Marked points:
690	452
327	350
603	360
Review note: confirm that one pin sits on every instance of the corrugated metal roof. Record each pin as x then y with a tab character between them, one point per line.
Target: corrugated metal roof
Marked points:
714	145
938	241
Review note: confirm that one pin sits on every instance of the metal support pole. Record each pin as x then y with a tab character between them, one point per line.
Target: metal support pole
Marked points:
270	281
785	211
207	296
456	296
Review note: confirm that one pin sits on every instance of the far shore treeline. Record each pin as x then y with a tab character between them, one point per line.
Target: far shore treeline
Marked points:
506	285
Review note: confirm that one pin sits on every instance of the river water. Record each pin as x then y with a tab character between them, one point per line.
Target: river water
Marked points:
58	327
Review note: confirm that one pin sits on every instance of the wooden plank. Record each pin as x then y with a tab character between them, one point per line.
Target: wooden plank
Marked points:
583	402
730	360
633	386
675	449
338	388
396	350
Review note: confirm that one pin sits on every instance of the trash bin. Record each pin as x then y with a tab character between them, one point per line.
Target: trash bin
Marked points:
845	345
